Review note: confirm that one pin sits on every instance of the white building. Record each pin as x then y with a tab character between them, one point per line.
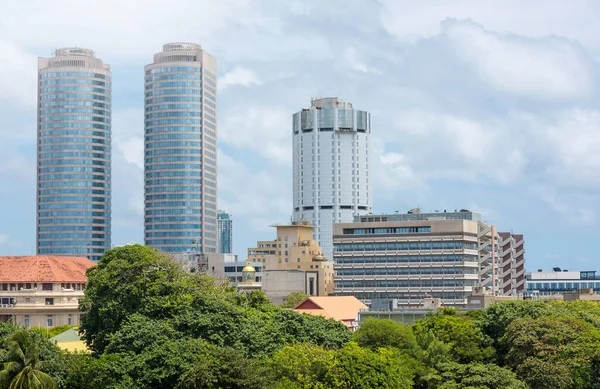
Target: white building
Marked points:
331	142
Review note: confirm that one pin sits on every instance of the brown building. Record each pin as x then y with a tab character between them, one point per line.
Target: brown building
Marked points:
42	290
295	249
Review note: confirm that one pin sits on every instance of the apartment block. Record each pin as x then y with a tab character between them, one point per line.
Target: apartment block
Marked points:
42	291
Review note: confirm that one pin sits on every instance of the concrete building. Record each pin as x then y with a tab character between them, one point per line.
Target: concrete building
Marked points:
510	264
407	261
210	263
225	232
180	150
559	282
74	154
331	167
42	291
295	249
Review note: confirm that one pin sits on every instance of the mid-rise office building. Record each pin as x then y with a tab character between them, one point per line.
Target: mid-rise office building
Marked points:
225	229
411	257
331	166
42	291
180	150
407	261
74	154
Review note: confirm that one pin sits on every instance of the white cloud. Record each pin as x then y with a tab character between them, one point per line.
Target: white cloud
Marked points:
356	63
265	131
546	68
239	76
18	76
4	238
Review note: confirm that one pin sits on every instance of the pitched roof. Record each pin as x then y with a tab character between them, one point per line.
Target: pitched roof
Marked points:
341	308
41	268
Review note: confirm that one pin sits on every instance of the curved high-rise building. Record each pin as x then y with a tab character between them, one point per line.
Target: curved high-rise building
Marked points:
332	183
74	154
180	150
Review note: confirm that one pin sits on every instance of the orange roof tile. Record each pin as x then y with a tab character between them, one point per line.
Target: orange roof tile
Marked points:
41	268
341	308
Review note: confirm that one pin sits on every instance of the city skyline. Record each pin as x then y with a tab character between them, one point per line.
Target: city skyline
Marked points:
458	126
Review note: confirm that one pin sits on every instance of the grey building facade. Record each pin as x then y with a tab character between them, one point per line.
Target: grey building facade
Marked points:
73	199
180	150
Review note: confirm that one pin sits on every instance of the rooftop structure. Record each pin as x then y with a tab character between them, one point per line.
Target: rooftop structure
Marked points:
344	309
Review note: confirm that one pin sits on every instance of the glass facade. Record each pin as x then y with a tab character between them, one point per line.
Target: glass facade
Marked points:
74	155
225	223
179	167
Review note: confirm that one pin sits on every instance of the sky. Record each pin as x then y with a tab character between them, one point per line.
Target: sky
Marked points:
488	105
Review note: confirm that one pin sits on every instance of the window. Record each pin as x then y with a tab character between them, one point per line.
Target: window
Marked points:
47	286
70	320
49	301
27	321
49	322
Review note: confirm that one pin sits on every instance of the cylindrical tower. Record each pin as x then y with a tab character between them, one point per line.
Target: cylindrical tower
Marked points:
180	150
74	154
332	183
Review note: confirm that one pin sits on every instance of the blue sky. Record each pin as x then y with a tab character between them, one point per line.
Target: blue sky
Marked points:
487	105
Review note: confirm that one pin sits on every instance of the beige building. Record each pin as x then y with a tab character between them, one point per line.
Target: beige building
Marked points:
344	309
42	290
295	249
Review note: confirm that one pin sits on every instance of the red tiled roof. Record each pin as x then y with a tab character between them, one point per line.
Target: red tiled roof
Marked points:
41	268
341	308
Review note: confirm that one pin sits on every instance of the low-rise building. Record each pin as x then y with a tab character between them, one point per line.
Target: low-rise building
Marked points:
558	282
42	290
344	309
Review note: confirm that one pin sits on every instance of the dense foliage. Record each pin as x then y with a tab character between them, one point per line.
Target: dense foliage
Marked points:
149	324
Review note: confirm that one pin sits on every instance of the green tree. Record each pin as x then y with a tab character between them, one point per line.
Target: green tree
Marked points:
22	367
293	299
468	343
473	376
377	333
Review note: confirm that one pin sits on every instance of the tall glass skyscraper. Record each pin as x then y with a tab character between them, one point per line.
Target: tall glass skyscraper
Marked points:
180	150
332	181
225	237
74	154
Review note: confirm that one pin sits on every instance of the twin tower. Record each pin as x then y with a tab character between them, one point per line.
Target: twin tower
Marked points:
331	155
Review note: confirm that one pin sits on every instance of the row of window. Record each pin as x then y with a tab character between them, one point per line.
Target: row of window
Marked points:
74	125
179	76
172	99
72	191
562	286
177	144
79	96
173	84
172	151
50	199
74	206
74	169
174	166
160	219
74	213
174	181
71	249
161	122
163	92
54	133
178	173
52	177
175	188
80	81
54	89
74	74
406	284
158	242
50	111
174	211
408	258
166	204
71	146
73	221
73	236
455	245
55	118
174	227
74	228
174	129
166	234
407	271
173	114
82	154
389	230
186	158
174	196
69	103
172	69
161	107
